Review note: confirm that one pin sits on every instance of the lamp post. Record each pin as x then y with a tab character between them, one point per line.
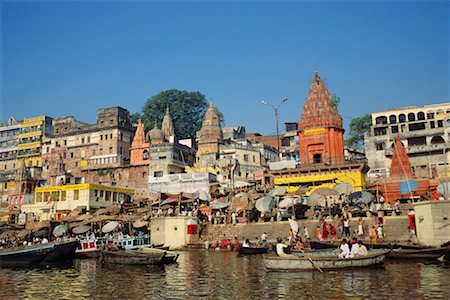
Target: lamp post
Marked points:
275	109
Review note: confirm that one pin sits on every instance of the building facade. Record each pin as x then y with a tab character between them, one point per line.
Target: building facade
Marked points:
321	134
424	131
9	140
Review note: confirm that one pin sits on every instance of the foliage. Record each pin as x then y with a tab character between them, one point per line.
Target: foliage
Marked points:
135	117
358	126
335	100
186	109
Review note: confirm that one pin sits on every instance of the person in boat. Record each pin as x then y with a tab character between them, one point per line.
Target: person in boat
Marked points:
354	250
280	246
246	243
345	250
362	250
299	243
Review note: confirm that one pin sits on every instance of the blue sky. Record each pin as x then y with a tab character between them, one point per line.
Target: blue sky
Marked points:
72	58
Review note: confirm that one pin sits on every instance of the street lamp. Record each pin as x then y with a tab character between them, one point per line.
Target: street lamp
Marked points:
275	108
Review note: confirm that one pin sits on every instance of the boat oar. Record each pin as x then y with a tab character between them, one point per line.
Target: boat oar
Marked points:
313	263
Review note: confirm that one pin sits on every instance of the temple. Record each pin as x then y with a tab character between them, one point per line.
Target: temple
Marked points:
320	127
210	138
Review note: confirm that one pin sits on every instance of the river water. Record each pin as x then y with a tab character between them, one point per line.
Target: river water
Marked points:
223	275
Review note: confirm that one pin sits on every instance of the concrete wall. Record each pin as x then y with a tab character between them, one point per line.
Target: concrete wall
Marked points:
172	232
432	222
396	228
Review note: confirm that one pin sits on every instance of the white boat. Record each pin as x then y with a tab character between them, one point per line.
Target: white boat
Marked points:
88	248
325	262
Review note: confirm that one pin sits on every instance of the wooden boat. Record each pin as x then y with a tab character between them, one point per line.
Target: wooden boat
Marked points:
24	256
325	262
323	245
62	251
252	250
420	253
169	258
133	257
88	248
317	252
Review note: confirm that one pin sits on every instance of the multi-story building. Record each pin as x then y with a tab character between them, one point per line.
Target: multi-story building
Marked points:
31	135
9	139
424	132
75	149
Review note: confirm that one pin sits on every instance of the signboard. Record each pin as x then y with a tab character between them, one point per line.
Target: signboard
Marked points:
315	131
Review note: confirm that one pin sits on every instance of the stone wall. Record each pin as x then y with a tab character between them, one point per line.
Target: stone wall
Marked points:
396	228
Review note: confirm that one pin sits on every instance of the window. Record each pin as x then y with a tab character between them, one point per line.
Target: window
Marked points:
432	124
65	142
437	140
158	173
101	137
401	118
411	117
82	140
71	154
380	146
76	194
245	157
144	154
440	123
394	129
430	115
420	116
392	119
110	136
381	120
317	158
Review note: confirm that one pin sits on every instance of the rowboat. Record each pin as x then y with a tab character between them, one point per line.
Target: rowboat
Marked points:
324	262
252	250
132	257
24	256
425	253
169	258
317	252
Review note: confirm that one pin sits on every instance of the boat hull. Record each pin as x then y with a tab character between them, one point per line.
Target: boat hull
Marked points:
249	250
24	257
63	251
132	257
293	263
427	253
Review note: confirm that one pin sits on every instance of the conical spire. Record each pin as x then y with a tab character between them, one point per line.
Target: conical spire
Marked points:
139	136
400	165
318	110
167	125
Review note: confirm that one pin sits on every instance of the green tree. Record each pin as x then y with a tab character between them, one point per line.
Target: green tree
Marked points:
358	126
186	108
135	117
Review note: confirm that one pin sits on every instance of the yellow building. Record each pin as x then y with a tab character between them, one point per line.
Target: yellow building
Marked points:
315	177
53	201
32	131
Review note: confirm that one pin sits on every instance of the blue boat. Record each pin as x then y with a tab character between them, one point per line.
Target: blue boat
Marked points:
24	256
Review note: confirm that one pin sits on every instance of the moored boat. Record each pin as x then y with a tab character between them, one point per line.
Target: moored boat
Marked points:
252	250
24	256
323	262
169	258
88	248
133	257
62	251
424	253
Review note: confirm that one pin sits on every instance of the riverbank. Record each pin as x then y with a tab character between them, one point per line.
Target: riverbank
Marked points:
395	227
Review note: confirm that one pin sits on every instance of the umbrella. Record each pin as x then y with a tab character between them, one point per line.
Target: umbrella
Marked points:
343	188
294	225
101	211
101	218
81	229
83	217
361	197
287	202
279	191
408	186
110	226
169	201
265	204
60	230
325	192
316	200
72	215
219	205
139	224
204	196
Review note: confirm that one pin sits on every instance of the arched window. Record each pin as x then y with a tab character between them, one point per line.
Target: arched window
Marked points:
392	119
402	118
411	117
420	116
145	155
381	120
437	140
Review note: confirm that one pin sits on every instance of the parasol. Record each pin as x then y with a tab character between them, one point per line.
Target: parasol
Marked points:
361	197
265	204
325	192
444	188
343	188
315	200
110	226
279	191
204	196
287	202
60	230
408	186
81	229
170	201
219	205
139	224
83	218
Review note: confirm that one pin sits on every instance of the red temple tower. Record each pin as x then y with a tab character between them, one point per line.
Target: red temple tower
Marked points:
320	133
400	164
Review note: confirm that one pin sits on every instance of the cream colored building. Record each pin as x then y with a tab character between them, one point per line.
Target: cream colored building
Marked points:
433	222
174	231
53	201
